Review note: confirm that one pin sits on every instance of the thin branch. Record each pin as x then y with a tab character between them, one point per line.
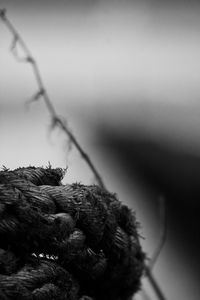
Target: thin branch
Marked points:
162	239
154	284
17	39
163	231
28	58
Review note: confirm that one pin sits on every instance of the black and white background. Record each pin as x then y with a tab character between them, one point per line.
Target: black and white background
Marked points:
126	76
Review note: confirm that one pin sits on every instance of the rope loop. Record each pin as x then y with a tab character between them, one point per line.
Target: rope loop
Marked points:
65	241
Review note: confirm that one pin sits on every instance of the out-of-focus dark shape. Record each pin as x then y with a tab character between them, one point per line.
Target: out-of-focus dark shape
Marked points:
163	170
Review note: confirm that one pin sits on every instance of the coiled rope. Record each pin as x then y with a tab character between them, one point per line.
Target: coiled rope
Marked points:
65	241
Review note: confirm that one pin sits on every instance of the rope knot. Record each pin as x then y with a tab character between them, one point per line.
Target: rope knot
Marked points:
72	242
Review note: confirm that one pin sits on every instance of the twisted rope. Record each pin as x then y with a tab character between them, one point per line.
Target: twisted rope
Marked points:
65	241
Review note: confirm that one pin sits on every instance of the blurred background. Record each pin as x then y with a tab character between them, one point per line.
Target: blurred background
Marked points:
126	77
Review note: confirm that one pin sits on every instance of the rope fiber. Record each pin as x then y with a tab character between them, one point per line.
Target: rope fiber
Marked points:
71	242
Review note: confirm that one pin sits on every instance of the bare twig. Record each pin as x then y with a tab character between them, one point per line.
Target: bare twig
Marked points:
162	239
154	284
163	231
56	121
28	58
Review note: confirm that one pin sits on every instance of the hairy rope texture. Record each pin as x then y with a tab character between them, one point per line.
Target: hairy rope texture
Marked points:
65	241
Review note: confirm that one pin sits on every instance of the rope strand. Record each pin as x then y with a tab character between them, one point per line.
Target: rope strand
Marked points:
65	241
